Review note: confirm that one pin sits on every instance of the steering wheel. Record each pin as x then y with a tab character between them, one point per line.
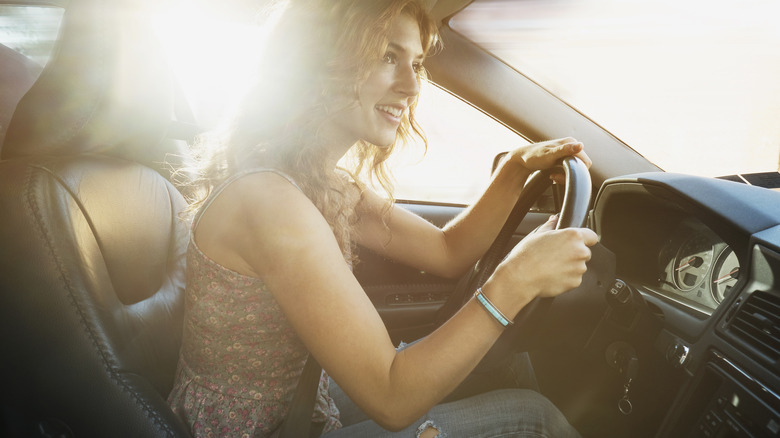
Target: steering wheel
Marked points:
573	214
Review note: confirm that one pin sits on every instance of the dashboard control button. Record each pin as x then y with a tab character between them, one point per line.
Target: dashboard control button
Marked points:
677	354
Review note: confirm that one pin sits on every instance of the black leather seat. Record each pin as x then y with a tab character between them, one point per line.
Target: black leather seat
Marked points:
92	248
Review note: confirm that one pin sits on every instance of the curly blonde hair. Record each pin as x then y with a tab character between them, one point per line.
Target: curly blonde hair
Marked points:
318	52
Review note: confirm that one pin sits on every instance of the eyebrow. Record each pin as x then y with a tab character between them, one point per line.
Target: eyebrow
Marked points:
398	47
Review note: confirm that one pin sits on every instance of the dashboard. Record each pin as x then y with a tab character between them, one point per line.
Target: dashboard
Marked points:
672	248
704	254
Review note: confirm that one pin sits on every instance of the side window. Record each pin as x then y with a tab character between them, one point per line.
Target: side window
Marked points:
30	30
462	143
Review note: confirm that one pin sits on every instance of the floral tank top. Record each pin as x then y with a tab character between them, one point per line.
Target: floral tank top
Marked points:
240	359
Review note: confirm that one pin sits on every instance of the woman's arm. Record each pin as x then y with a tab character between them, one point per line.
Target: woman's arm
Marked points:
450	251
265	227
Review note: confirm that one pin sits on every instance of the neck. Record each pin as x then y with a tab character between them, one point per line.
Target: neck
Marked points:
336	145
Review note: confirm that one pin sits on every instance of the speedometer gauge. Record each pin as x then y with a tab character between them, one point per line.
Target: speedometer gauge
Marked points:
692	263
725	274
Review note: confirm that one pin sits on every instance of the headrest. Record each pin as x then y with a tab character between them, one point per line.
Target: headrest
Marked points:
16	77
107	89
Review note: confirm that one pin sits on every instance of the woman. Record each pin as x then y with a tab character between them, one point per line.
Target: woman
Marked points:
269	264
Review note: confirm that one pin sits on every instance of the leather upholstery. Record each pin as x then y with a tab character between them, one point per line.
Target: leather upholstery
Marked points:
92	272
92	246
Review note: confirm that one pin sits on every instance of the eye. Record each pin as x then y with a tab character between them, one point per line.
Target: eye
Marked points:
418	67
390	58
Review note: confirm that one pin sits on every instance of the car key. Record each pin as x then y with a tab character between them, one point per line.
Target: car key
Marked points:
630	371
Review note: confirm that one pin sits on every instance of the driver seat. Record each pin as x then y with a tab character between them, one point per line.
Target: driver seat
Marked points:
92	246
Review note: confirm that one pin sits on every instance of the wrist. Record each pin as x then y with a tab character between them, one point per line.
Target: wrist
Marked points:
491	309
513	167
507	298
516	161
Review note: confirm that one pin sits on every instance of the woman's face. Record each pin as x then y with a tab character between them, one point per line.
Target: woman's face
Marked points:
392	86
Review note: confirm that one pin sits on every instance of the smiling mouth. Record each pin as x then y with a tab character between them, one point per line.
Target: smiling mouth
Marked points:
395	112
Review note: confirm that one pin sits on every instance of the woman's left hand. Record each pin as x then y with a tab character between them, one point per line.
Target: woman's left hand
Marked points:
539	156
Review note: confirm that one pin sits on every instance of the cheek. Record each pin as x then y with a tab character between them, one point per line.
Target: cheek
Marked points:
376	87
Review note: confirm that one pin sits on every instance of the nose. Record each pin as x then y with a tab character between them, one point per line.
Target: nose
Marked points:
407	81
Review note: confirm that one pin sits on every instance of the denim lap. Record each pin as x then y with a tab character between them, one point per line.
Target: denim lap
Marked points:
500	413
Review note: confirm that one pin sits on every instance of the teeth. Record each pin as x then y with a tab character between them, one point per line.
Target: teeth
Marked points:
390	110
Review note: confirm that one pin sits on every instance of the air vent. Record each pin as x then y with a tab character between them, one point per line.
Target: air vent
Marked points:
757	323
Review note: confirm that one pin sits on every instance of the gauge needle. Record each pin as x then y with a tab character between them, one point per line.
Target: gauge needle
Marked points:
726	277
686	264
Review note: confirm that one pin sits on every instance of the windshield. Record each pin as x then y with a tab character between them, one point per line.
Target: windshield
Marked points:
693	86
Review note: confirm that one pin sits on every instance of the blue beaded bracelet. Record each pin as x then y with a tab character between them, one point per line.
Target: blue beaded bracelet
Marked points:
503	320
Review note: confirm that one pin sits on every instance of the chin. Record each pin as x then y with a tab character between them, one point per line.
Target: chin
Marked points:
384	142
384	145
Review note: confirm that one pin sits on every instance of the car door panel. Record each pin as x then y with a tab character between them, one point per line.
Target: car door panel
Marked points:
409	300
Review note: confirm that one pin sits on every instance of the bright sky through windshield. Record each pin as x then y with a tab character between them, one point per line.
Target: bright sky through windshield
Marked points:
692	85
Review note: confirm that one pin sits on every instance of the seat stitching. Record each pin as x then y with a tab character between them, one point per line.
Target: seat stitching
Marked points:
31	183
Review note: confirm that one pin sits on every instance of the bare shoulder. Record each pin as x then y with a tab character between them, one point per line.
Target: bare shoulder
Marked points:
271	205
258	218
263	192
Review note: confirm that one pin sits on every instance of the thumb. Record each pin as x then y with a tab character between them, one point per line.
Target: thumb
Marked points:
552	221
589	237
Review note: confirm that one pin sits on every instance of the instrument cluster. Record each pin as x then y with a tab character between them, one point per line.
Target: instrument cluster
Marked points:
697	266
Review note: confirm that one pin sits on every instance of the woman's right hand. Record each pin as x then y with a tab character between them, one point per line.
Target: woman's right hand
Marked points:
545	263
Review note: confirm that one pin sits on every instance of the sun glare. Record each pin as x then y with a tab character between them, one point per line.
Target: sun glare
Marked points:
213	57
691	85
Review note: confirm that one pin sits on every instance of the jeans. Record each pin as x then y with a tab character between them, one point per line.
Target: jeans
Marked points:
509	412
499	413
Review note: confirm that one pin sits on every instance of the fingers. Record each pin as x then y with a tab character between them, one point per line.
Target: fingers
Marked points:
572	147
580	254
585	237
543	155
589	237
584	157
564	147
549	263
579	241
